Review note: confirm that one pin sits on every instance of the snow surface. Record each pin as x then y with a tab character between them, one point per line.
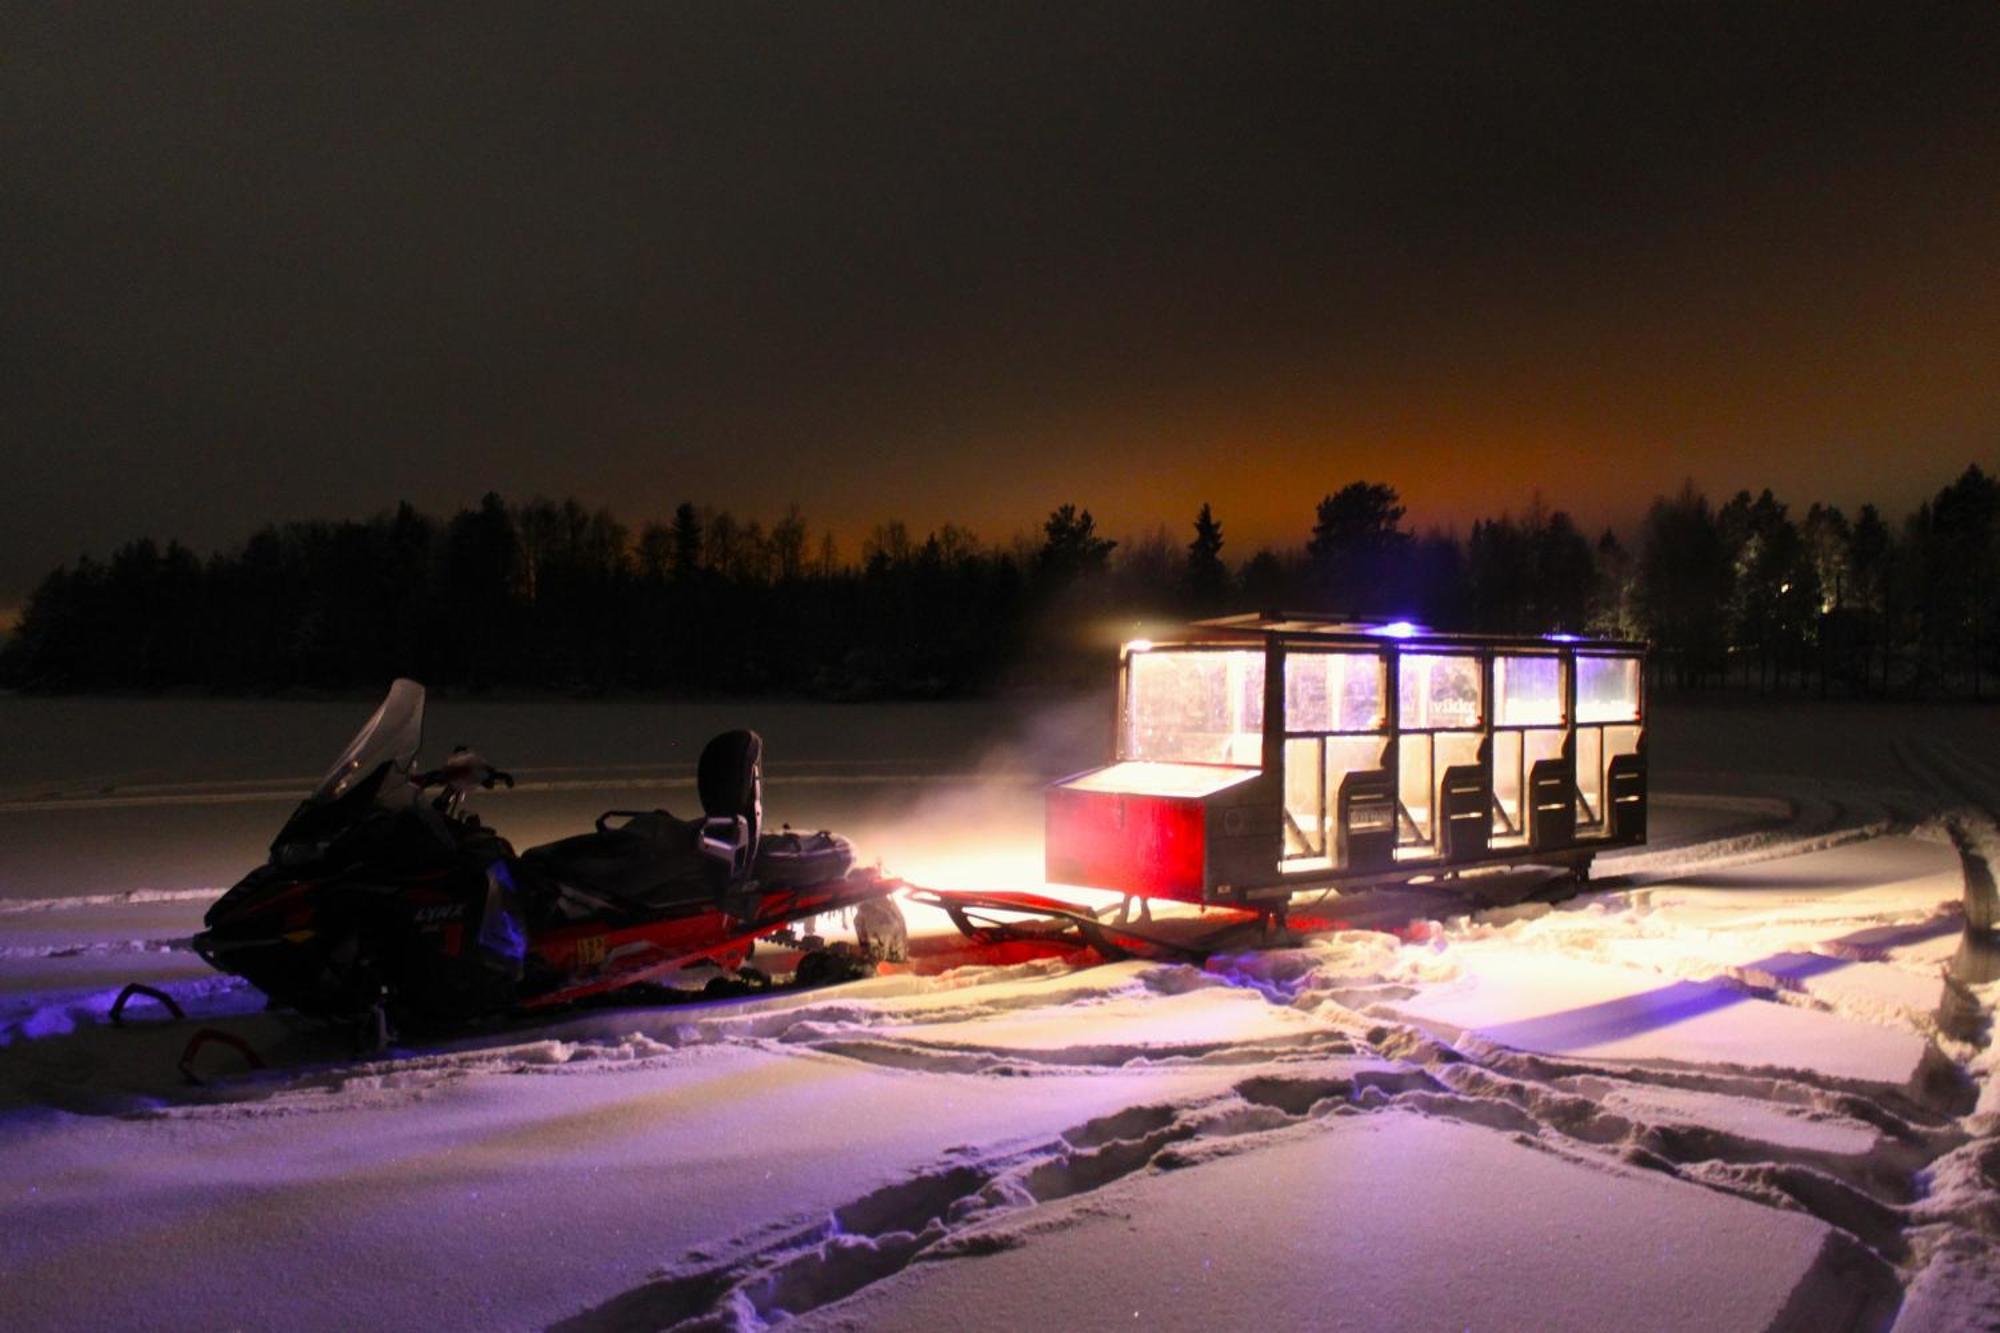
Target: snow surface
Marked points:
1565	1006
1220	1234
1746	1081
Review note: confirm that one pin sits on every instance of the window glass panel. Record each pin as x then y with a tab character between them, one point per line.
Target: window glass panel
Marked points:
1542	745
1454	750
1509	782
1195	707
1334	692
1413	788
1364	686
1438	690
1589	776
1308	706
1529	690
1351	754
1305	803
1607	689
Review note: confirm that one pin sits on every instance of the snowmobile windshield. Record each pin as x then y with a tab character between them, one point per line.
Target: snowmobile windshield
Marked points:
392	735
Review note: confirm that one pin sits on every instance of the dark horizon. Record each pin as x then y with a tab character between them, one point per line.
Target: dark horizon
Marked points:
268	264
852	547
555	596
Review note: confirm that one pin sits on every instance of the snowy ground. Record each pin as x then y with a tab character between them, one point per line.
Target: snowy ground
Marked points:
1744	1082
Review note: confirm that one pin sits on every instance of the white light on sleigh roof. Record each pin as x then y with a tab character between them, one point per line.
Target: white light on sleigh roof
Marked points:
1398	629
1139	646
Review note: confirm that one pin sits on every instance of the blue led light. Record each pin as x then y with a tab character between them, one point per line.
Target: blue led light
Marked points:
1398	629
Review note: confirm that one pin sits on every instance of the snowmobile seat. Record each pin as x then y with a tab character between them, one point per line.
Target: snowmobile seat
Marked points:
649	861
654	860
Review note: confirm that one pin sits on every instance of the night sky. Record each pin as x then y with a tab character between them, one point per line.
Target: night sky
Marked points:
284	261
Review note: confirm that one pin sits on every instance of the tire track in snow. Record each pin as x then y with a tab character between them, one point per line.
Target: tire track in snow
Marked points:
130	898
1359	1066
968	1205
837	1023
1924	1202
930	1216
1565	1107
93	949
1816	822
938	1213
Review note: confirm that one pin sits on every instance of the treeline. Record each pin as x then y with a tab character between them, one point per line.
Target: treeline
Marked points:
549	595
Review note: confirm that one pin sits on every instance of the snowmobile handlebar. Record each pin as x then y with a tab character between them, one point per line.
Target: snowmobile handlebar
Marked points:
438	777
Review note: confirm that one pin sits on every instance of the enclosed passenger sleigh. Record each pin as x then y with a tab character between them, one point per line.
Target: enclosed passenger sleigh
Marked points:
1261	755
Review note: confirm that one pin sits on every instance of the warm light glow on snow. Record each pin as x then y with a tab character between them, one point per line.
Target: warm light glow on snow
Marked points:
973	865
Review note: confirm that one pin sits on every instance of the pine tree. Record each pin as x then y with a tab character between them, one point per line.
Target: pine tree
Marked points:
687	538
1207	576
1357	549
1072	546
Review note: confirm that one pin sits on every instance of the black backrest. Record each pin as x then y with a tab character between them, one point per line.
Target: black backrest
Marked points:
1465	809
1552	803
730	778
1625	795
1365	820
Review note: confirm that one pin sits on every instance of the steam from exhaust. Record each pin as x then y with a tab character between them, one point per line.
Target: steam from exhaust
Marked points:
984	830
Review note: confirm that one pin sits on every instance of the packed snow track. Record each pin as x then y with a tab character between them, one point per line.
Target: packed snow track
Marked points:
1745	1081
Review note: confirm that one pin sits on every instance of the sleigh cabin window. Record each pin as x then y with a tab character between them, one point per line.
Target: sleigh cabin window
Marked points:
1530	725
1607	732
1441	708
1336	717
1194	706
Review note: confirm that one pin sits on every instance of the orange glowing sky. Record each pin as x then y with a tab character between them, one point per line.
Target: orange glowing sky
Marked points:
896	263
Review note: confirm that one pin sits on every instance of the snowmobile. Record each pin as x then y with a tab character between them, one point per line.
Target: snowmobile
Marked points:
384	901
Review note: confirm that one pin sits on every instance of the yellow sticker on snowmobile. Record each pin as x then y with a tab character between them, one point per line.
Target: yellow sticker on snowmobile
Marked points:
590	950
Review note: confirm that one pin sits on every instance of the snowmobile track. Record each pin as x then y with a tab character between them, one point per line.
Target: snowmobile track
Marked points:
967	1206
1813	821
1358	1065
